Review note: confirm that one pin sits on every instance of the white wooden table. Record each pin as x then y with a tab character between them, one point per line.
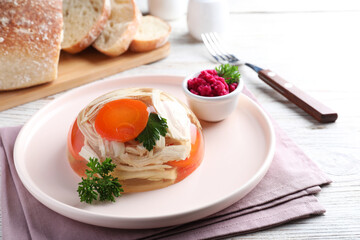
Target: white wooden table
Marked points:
316	46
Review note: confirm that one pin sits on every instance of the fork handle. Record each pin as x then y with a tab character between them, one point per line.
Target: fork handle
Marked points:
310	105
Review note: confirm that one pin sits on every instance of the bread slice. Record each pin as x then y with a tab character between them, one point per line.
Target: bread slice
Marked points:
120	29
30	39
152	33
84	21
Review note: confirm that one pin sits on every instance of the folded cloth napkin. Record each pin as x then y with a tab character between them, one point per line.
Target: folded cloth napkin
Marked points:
284	194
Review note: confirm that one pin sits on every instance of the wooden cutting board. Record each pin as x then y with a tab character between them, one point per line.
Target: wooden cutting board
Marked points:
78	69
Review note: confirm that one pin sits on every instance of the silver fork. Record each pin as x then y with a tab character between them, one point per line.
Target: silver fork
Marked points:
310	105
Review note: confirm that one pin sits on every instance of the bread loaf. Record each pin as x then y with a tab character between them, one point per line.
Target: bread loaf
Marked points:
152	33
120	28
84	21
30	37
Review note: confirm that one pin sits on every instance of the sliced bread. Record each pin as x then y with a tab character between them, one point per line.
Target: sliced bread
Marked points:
120	28
30	39
84	21
152	33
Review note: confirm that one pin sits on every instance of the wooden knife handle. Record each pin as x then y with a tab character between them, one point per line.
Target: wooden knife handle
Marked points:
310	105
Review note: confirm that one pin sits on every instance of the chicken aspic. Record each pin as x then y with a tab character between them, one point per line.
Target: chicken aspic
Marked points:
121	125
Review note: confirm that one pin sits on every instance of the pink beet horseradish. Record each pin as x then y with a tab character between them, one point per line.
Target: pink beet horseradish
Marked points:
215	82
213	94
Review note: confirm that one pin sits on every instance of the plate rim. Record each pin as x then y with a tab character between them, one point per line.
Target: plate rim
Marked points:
52	203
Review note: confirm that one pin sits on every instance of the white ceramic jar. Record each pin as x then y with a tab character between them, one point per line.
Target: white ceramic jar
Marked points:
142	5
167	9
207	16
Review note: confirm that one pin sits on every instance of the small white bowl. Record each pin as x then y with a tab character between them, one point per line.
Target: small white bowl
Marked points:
212	109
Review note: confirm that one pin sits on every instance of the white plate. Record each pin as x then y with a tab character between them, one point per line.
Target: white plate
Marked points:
238	153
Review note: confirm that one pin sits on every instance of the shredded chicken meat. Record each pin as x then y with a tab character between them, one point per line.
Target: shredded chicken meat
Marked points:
132	158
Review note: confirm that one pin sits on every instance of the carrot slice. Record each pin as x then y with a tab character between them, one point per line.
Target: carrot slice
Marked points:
122	120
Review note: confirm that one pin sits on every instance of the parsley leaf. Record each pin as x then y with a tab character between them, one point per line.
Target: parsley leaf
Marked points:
155	127
99	183
229	72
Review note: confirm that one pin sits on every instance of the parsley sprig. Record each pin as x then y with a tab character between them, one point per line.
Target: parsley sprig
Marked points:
155	127
229	72
99	184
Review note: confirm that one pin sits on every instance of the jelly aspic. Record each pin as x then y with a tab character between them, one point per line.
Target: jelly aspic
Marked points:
118	125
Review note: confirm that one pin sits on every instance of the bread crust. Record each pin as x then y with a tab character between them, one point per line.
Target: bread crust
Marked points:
123	42
95	31
138	45
30	37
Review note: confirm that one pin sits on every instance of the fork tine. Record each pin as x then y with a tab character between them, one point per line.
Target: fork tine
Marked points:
216	46
220	45
215	49
209	47
221	50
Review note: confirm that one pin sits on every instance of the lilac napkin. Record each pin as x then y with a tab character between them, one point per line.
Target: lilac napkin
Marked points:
284	194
